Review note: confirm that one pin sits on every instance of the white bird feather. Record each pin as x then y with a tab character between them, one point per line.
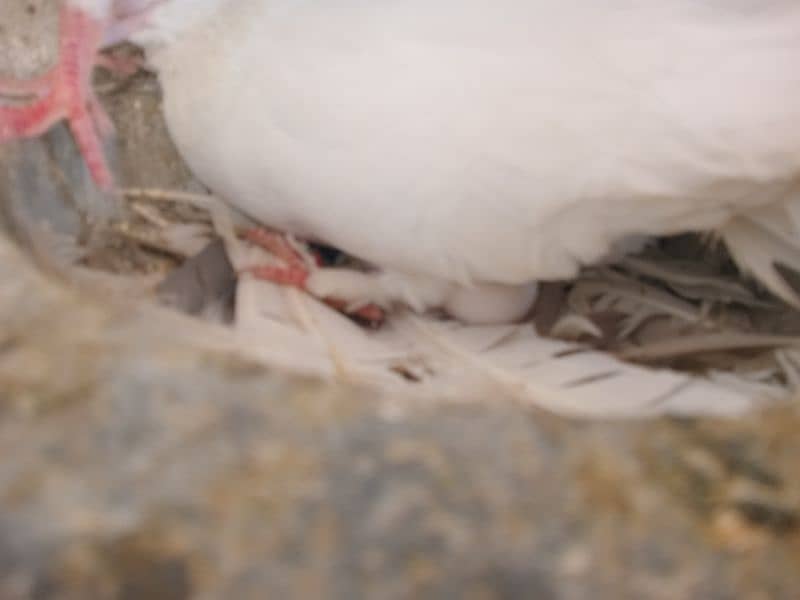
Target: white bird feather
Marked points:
486	142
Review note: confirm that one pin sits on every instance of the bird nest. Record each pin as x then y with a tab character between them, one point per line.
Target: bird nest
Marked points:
674	329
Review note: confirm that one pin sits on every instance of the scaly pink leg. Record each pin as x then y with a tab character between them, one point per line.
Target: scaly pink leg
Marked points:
295	272
65	93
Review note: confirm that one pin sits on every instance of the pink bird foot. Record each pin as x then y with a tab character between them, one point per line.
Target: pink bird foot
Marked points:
296	271
65	93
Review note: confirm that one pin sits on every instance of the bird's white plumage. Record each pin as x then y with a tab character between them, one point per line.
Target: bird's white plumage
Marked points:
472	141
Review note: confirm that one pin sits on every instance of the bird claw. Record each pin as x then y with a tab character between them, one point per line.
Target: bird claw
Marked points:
281	275
280	246
64	93
296	270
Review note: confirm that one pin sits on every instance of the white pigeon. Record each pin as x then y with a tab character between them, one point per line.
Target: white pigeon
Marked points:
467	148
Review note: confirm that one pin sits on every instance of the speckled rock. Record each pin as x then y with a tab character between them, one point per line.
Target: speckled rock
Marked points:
134	466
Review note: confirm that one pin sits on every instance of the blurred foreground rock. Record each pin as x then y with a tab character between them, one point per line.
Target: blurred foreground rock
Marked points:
136	467
133	465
